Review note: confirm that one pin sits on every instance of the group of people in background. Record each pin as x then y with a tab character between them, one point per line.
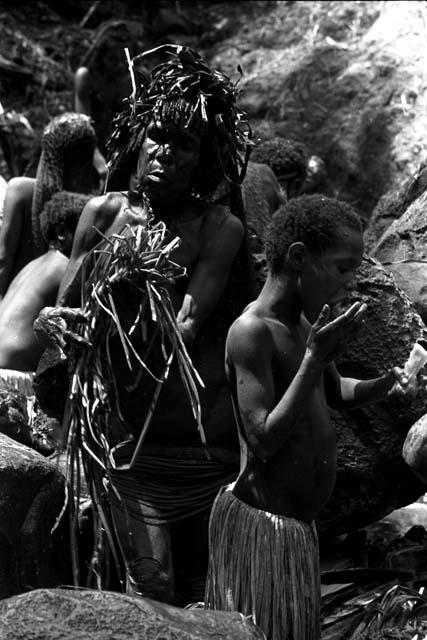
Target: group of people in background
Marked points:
230	522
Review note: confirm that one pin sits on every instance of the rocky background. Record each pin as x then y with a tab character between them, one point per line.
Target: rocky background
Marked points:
346	78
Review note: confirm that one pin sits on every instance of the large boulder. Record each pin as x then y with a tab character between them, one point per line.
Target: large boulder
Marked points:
415	448
14	416
392	205
60	614
402	249
343	77
31	498
372	477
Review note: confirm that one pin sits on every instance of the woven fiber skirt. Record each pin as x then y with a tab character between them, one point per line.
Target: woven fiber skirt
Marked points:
265	566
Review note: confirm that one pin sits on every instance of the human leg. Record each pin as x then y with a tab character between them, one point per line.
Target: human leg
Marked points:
146	551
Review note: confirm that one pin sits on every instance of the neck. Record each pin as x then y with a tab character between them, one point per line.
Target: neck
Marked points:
281	297
181	210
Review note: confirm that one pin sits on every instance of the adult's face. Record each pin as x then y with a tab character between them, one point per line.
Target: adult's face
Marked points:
329	277
168	161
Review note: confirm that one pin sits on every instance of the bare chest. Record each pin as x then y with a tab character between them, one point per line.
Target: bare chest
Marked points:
191	242
128	215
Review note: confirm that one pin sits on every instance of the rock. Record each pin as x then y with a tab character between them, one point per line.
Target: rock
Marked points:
402	249
372	477
415	448
14	416
392	205
348	93
31	498
60	614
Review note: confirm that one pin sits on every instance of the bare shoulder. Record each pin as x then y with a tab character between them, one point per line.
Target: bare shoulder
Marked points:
220	222
98	215
249	336
82	76
20	187
101	210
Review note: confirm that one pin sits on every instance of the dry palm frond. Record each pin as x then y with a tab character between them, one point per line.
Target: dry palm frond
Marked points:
400	612
137	260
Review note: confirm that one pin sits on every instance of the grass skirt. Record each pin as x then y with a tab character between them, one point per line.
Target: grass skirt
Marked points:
266	566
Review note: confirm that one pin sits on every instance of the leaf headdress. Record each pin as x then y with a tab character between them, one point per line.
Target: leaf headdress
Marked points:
185	90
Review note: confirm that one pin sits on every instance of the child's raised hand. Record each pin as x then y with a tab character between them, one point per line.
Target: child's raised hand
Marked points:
326	337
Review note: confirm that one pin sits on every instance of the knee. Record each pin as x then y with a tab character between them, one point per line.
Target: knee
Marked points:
147	577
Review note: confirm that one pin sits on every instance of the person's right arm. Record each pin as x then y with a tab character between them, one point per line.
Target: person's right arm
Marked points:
97	214
269	424
17	202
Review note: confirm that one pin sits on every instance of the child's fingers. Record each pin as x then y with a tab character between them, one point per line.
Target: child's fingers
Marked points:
323	316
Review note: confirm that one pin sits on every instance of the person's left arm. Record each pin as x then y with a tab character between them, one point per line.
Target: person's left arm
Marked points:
222	238
349	392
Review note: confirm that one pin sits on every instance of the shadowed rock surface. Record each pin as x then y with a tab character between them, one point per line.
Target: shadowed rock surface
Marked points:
415	448
31	498
372	477
60	614
392	205
403	250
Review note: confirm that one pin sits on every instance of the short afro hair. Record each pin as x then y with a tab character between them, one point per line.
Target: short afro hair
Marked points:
283	155
315	220
62	210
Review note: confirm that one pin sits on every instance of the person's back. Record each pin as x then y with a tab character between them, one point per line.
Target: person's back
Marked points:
36	285
15	236
33	288
67	149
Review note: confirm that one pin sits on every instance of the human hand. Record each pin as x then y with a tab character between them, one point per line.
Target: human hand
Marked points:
51	328
326	338
405	386
412	377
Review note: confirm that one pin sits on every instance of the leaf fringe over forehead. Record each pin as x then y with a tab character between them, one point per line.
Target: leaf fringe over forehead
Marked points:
185	91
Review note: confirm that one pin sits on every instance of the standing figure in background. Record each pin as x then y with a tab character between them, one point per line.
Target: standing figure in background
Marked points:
101	83
68	143
288	160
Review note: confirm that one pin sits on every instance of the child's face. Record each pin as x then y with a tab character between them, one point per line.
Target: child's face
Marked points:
330	276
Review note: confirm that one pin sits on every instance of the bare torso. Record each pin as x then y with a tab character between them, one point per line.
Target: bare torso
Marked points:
173	421
35	287
298	479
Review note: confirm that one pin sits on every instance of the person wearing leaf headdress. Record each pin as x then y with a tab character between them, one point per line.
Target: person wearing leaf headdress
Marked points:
184	131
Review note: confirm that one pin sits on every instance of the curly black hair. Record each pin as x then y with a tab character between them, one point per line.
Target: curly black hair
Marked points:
284	155
184	89
315	220
61	211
